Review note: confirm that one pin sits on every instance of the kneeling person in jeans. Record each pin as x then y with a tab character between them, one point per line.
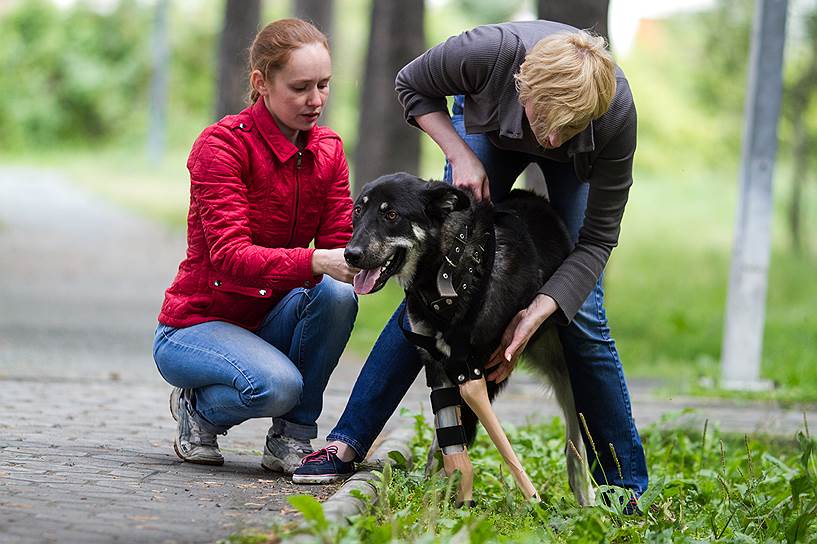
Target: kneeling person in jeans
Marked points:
255	320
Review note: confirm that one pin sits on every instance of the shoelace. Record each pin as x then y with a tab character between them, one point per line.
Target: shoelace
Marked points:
200	436
320	455
303	446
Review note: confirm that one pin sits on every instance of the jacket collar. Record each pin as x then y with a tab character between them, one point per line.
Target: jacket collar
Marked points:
280	145
582	142
511	126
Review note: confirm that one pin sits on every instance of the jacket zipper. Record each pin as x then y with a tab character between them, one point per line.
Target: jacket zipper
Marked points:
297	194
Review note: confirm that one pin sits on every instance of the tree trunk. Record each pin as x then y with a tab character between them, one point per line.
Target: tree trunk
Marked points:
386	143
320	13
159	83
799	173
586	14
801	97
241	20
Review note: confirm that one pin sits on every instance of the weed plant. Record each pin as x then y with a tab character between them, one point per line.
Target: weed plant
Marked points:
704	487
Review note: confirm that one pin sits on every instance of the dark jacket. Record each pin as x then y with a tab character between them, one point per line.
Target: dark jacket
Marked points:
481	64
256	203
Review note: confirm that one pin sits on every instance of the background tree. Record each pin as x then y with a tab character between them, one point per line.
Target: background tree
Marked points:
802	94
159	83
386	143
241	21
491	11
320	13
720	88
587	14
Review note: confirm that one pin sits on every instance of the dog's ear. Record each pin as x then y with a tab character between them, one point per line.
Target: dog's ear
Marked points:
442	199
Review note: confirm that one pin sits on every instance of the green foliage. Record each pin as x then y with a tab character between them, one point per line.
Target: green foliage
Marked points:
666	286
490	11
311	510
705	487
80	75
69	75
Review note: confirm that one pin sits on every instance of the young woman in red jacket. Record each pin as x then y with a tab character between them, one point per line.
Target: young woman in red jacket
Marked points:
256	319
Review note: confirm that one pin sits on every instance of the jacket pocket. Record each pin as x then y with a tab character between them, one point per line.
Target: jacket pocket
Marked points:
227	285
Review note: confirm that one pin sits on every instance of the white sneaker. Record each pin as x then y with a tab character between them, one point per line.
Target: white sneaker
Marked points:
192	443
284	454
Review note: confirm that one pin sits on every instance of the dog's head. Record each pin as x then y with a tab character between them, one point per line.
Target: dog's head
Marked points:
394	219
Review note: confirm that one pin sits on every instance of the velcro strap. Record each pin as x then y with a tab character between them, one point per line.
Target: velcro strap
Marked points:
445	397
450	436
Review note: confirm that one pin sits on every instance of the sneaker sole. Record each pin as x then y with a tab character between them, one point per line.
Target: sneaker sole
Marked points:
172	411
211	462
274	466
319	478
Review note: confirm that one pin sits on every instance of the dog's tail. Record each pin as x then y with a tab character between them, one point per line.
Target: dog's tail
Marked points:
546	355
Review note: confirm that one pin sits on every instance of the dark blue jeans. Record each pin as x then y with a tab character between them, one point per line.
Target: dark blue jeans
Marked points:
593	362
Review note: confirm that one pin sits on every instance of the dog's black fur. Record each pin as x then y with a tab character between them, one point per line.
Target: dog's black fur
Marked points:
413	222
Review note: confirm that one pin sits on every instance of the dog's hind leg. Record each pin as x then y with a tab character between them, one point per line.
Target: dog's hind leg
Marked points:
545	354
450	436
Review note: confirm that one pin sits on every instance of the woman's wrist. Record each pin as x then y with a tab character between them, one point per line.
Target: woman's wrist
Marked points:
460	153
544	306
318	262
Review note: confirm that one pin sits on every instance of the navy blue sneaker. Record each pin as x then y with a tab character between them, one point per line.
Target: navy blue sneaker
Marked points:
323	467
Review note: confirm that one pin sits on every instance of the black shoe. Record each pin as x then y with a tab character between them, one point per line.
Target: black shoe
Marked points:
323	467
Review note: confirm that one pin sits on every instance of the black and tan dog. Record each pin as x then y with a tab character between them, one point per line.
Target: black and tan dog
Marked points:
467	268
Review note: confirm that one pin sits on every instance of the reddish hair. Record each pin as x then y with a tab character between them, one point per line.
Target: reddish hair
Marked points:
272	47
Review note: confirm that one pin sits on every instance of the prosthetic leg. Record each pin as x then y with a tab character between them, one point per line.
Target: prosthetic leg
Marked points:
445	402
475	394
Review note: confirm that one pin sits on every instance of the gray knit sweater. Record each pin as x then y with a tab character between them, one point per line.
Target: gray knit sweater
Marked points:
480	64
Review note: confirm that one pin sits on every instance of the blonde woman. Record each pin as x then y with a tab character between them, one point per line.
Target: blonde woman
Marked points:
525	92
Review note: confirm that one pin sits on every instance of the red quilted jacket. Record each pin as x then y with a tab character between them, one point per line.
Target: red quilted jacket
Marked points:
256	203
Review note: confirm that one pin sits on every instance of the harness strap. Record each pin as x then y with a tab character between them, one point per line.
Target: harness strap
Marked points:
445	276
445	397
458	366
450	436
428	343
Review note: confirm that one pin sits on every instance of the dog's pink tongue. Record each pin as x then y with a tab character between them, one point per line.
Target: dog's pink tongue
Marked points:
365	280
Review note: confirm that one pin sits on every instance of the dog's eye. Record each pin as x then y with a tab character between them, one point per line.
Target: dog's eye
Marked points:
356	211
391	215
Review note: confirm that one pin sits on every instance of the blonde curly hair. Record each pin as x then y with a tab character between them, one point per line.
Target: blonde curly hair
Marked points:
569	79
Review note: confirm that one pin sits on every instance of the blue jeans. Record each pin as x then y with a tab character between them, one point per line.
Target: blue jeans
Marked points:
279	370
597	377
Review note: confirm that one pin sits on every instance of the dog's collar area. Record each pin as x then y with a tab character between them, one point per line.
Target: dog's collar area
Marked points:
445	276
445	305
460	365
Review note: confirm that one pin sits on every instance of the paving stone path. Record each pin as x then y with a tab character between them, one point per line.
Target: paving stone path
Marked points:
85	434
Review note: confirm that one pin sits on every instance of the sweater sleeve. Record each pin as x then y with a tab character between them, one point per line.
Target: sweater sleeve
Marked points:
219	195
610	181
462	64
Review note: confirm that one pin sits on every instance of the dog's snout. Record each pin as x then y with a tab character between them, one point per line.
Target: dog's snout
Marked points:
353	255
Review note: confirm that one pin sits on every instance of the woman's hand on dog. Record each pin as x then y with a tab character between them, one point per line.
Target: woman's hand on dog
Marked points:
332	263
468	172
466	169
503	360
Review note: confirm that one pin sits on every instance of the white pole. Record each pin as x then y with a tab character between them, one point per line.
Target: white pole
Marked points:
746	303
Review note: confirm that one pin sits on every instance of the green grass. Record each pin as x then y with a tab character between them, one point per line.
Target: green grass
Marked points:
705	487
666	287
